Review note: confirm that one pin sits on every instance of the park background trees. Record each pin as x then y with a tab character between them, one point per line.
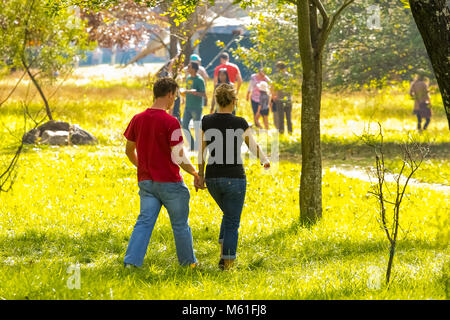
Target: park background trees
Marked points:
315	27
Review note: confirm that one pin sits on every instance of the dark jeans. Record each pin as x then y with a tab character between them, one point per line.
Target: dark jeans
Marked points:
419	122
229	193
192	113
176	109
284	107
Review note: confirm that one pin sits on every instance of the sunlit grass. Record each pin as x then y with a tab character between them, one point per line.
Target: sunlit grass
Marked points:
77	205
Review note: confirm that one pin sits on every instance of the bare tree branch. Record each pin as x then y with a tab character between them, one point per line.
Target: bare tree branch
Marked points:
13	89
337	14
323	11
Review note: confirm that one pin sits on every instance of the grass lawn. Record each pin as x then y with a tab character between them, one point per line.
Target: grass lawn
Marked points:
76	206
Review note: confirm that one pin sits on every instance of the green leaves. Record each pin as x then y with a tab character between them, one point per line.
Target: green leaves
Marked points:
49	44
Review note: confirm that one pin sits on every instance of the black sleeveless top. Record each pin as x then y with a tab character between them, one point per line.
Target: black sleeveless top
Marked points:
223	133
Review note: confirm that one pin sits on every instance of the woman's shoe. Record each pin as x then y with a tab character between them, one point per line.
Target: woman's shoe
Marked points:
221	264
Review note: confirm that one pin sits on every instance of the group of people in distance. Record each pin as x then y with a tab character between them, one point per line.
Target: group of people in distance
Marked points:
264	95
155	145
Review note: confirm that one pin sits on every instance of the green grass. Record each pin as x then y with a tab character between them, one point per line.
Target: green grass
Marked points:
78	205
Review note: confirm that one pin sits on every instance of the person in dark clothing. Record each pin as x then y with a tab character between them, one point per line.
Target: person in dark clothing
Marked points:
282	98
419	91
222	134
167	70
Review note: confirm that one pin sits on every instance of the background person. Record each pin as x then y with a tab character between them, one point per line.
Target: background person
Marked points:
201	70
419	91
282	97
195	93
221	78
225	176
253	93
167	70
234	73
264	100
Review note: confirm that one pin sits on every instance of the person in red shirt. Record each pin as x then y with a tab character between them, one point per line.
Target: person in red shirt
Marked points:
234	74
155	147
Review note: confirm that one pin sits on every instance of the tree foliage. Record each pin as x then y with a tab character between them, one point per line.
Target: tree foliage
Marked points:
42	44
374	42
48	43
359	52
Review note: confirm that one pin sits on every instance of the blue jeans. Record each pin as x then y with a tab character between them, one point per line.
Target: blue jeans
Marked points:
175	198
194	113
229	193
176	109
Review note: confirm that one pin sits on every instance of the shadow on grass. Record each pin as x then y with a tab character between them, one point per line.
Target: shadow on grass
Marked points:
336	149
102	253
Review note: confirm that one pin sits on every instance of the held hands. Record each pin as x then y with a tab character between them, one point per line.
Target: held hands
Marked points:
199	182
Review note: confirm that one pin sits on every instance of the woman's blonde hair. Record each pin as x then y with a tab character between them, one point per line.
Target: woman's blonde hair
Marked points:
225	94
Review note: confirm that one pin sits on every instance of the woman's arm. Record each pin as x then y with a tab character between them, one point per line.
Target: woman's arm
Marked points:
202	159
213	102
254	147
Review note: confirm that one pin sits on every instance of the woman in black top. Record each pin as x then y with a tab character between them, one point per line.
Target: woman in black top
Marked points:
222	135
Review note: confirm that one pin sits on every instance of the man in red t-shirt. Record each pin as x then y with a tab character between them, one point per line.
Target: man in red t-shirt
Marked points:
155	147
234	74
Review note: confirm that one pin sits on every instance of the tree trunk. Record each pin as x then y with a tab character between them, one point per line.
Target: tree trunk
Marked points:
173	45
311	175
311	55
390	262
188	50
433	21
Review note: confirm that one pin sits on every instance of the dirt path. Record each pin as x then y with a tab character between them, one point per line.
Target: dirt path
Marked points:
363	174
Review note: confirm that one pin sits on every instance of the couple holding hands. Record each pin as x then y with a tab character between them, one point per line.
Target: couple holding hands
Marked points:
155	146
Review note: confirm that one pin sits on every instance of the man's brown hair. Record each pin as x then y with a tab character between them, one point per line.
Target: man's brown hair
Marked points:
164	86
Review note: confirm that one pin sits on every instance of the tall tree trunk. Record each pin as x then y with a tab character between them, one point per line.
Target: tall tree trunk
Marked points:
188	50
173	45
311	55
433	21
311	175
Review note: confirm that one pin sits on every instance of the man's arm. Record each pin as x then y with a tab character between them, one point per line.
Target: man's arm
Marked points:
203	73
198	93
130	151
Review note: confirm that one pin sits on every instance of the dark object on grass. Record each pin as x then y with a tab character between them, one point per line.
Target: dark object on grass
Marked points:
59	133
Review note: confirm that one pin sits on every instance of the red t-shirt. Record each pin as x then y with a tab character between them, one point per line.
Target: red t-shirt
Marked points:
232	71
155	132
